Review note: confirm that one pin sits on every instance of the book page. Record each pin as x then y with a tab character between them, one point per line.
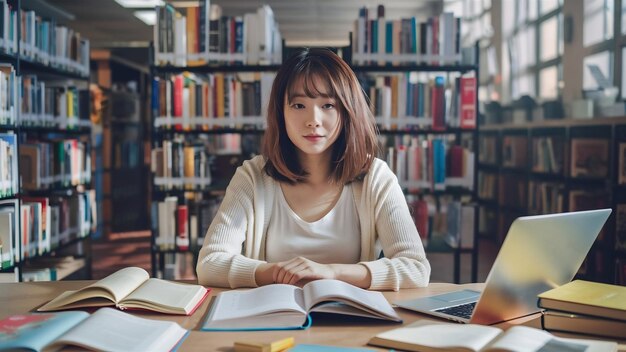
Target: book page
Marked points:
105	292
373	302
436	335
165	296
122	282
112	330
523	338
238	309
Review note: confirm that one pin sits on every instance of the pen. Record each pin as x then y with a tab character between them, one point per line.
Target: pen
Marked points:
275	346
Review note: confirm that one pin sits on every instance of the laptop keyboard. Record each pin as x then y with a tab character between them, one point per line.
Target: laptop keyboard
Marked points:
462	311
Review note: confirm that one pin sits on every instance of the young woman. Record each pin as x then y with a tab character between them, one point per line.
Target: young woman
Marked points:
317	204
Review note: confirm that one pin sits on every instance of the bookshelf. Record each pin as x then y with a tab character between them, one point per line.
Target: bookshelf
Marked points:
47	210
190	196
207	103
422	86
570	165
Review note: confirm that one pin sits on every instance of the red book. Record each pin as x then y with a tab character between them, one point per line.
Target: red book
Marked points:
468	102
455	161
420	216
182	231
435	46
437	106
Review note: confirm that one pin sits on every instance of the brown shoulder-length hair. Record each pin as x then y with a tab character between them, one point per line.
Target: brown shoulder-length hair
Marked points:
355	147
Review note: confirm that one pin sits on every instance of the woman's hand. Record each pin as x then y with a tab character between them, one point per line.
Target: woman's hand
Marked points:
298	269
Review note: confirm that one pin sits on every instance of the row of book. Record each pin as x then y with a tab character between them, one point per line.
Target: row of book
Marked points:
54	164
179	165
546	158
8	165
41	224
588	157
200	162
380	40
444	216
515	191
182	224
431	163
202	35
39	103
192	101
440	102
45	104
545	197
43	40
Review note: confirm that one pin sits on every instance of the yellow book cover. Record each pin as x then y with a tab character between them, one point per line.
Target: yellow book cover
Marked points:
585	297
70	104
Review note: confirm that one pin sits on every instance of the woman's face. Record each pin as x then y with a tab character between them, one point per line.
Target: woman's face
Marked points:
312	124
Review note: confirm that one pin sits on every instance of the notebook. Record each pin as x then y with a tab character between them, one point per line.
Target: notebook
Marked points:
539	253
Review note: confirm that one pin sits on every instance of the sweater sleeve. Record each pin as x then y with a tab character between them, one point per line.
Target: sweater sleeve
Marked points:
405	264
220	261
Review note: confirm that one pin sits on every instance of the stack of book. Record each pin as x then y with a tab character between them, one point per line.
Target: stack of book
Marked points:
586	308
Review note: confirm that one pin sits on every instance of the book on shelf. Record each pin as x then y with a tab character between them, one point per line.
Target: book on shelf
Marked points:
427	336
589	157
132	288
586	297
6	240
287	306
460	225
583	324
105	330
9	233
621	164
8	164
620	227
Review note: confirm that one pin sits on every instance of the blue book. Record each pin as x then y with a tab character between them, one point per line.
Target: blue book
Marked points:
100	331
287	307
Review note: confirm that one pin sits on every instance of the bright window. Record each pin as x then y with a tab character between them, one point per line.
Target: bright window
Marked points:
549	43
547	6
549	83
598	21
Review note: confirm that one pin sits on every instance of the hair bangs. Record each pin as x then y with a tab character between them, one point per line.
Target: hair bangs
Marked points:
308	78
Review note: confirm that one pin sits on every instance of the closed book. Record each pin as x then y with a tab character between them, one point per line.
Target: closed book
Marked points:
583	324
585	297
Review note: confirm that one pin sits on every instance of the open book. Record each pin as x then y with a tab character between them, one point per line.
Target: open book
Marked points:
429	336
132	288
286	307
105	330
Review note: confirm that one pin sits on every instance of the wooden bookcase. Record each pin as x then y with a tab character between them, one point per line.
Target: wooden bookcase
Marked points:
571	165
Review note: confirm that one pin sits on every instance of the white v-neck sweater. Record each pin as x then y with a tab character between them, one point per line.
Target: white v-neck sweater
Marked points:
235	242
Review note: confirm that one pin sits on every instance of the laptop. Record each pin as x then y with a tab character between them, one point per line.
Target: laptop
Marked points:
539	253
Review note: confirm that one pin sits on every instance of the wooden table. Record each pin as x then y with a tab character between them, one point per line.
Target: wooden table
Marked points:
18	298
